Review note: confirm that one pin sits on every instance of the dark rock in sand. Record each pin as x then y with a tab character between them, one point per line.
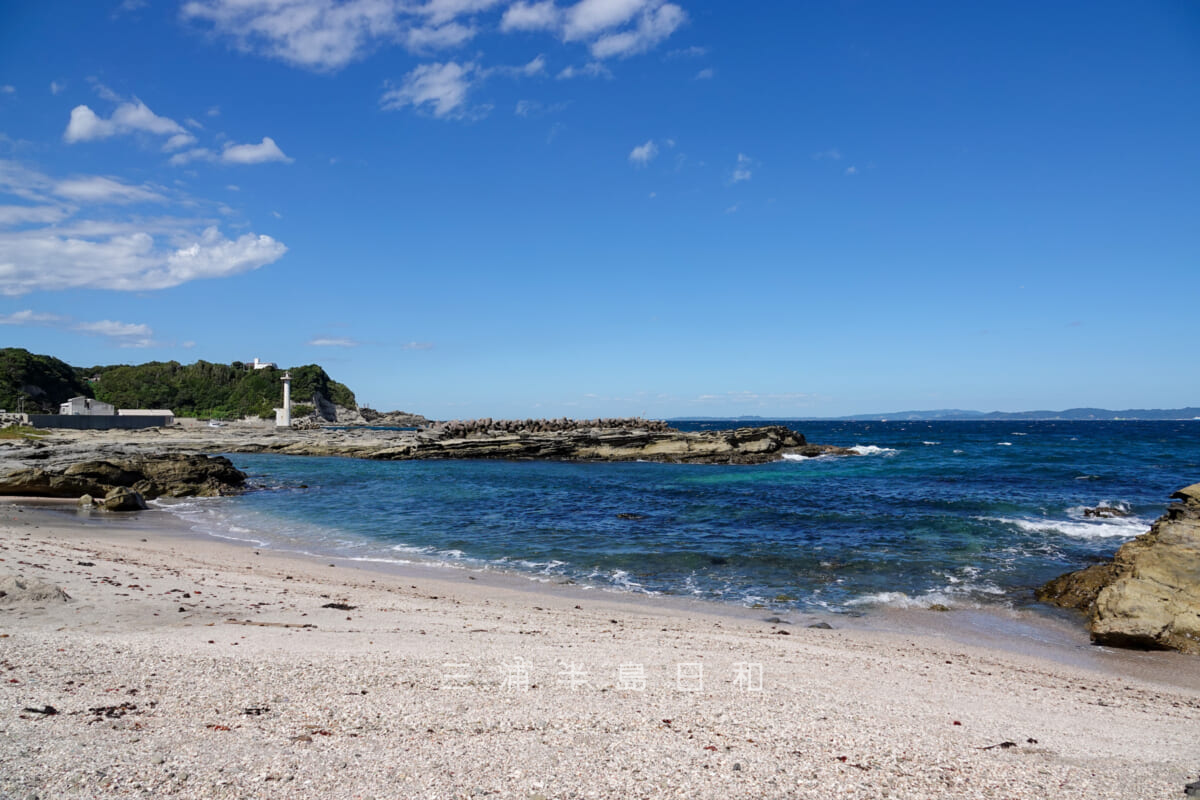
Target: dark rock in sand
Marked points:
18	590
122	498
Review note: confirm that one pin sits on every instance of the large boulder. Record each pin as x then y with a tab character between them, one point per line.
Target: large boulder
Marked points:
123	498
1149	595
171	475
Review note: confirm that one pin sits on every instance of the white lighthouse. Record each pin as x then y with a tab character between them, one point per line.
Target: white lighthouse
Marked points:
283	416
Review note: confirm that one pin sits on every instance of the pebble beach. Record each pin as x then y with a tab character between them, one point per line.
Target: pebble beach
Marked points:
141	661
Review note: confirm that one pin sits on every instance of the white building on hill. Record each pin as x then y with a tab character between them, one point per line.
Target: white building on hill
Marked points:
86	406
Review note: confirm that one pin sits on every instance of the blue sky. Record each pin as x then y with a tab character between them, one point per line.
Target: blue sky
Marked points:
603	207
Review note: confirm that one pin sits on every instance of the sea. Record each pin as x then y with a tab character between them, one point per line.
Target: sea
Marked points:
927	514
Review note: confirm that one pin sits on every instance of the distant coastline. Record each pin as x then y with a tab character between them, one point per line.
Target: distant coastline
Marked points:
961	415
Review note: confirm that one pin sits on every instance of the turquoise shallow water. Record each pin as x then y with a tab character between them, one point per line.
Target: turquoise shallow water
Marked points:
964	514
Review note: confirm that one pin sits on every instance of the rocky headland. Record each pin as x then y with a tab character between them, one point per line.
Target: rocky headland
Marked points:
39	465
1148	596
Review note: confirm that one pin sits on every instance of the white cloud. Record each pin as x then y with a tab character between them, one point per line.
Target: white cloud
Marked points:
424	39
56	87
316	34
260	153
643	154
327	35
35	215
233	187
102	90
213	111
688	52
440	11
832	154
47	260
29	317
742	171
593	69
99	189
195	154
332	341
123	334
132	254
86	125
521	16
653	26
8	88
851	170
589	17
418	346
179	140
705	74
439	88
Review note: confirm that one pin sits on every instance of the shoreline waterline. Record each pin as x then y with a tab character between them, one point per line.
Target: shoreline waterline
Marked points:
1036	630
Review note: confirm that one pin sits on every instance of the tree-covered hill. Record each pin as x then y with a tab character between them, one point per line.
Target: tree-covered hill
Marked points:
37	384
225	391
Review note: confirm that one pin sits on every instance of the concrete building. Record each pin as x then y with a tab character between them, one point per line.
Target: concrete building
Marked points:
86	406
264	364
162	413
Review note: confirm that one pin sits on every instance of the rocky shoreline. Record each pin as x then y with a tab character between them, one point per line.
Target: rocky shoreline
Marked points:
174	461
1148	595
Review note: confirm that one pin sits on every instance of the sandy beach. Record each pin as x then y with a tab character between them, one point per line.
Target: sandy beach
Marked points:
186	667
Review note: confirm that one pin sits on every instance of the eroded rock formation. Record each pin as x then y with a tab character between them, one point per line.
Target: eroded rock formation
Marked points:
150	476
1148	596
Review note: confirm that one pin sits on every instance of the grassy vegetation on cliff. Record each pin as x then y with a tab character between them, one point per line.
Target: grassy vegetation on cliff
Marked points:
204	389
225	391
41	382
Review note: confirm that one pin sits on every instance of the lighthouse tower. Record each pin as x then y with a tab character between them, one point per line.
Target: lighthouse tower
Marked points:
283	416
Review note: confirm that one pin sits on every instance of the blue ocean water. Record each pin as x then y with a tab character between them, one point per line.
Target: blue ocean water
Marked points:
957	513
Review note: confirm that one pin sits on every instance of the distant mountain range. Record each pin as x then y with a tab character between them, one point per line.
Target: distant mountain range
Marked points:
957	414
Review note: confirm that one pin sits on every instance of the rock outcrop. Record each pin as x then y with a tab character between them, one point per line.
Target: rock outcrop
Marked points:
741	446
150	476
1149	595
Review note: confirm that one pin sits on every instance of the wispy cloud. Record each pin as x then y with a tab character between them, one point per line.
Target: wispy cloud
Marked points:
326	36
654	24
706	74
742	170
69	247
122	334
332	341
418	346
264	152
439	89
592	69
643	154
832	154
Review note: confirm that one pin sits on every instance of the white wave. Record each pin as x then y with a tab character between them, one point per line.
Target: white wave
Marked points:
1080	512
1003	444
959	452
873	450
931	444
1123	527
954	595
797	457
